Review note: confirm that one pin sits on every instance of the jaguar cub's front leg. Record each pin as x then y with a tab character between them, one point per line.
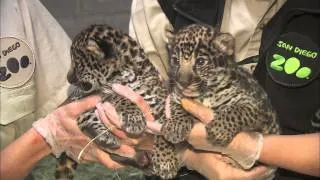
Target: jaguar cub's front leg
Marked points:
94	128
178	127
130	115
230	120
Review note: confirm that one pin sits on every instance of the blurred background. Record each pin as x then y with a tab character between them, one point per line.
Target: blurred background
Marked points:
73	16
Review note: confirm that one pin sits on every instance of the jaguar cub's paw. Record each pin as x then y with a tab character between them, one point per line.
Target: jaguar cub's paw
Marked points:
134	122
133	119
165	161
166	170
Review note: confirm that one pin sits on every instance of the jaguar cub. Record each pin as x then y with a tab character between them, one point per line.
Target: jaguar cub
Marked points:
100	57
202	68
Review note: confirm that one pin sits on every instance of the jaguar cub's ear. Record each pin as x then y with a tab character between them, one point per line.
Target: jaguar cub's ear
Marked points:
95	48
225	43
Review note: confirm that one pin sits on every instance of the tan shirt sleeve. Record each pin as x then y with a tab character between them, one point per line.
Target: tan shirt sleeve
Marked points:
148	25
245	20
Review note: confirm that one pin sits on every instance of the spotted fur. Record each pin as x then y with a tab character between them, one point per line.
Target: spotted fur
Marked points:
102	56
201	68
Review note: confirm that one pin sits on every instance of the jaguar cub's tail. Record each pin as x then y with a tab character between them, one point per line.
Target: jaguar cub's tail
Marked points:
65	168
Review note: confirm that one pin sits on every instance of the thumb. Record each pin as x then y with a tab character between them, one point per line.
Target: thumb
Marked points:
76	108
198	110
134	97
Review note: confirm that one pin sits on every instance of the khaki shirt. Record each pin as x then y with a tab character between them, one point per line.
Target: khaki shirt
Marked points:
37	84
243	19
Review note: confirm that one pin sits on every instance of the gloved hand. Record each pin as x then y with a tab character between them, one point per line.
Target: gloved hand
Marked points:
245	148
216	166
60	130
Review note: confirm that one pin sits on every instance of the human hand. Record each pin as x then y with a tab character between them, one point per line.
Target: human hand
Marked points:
243	151
245	148
142	144
217	166
60	130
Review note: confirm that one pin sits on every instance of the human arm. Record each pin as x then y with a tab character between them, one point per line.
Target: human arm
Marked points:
299	153
18	158
59	128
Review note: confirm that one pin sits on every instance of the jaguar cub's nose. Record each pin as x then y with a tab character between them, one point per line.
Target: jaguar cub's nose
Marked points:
184	78
184	83
71	77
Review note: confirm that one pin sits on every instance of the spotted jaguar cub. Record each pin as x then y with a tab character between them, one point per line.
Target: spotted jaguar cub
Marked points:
101	56
202	68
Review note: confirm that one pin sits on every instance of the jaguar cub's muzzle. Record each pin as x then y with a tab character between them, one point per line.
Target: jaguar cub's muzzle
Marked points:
83	85
188	86
72	78
191	91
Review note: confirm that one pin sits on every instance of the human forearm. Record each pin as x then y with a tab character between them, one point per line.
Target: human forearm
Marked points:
20	156
300	153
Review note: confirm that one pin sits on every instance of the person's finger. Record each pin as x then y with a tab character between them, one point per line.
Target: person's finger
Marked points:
198	138
113	129
145	143
76	108
78	139
203	113
111	112
258	172
237	173
69	125
105	159
153	127
125	151
218	166
127	92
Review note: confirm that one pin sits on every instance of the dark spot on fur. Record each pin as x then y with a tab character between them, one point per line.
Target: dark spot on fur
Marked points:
107	48
132	43
124	46
133	52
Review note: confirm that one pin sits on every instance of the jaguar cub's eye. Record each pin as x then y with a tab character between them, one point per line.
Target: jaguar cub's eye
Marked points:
201	61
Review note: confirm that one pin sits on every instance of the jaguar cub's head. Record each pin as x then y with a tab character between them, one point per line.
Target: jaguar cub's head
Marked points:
100	54
195	52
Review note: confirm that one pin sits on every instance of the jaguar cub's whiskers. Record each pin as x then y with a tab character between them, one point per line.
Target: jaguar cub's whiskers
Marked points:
92	140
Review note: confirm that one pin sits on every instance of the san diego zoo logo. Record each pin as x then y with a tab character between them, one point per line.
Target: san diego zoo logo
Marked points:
290	66
17	62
